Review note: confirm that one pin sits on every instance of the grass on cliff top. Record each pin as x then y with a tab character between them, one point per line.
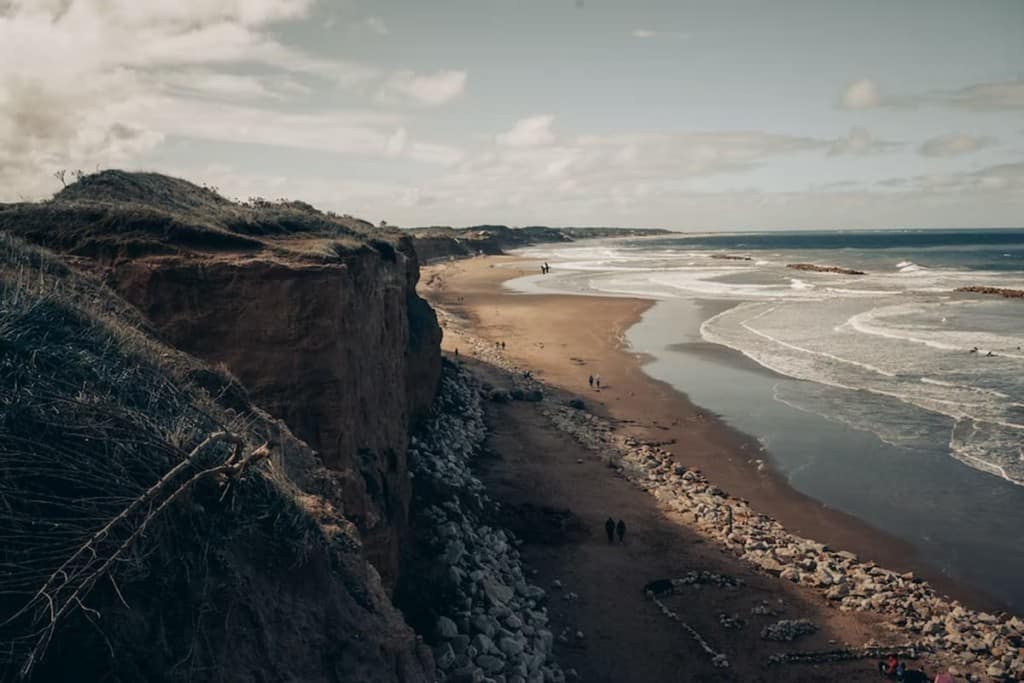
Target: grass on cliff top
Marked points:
114	214
93	412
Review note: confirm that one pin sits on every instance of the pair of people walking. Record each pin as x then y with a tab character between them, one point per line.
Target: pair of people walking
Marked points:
611	528
594	380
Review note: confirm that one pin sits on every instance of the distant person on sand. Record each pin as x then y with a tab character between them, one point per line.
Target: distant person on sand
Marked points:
597	382
620	529
888	667
547	268
609	528
590	379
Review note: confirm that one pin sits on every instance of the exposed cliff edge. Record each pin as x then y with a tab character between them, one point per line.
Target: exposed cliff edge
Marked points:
316	315
436	243
156	524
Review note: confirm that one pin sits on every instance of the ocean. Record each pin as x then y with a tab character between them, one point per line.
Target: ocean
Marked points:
887	395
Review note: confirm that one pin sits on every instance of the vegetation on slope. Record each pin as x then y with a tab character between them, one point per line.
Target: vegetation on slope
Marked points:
115	214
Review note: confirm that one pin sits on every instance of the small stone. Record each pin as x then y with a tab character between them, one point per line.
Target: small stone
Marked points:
490	663
446	628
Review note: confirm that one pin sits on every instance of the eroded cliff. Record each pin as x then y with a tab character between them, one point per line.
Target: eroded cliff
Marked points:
317	316
157	524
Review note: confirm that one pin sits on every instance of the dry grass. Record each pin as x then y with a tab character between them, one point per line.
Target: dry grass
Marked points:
93	415
115	214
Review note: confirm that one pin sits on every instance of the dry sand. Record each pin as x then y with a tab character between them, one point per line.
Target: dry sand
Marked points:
562	339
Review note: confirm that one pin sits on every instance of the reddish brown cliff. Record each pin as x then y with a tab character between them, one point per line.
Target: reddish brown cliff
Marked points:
317	315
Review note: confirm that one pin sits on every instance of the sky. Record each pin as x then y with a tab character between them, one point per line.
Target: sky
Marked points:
689	115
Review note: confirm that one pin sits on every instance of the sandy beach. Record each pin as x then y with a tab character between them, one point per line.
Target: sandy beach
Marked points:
562	339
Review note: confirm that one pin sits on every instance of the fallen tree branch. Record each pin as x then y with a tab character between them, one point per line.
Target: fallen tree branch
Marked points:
230	469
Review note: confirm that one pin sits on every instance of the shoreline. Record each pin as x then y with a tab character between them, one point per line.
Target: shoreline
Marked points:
650	410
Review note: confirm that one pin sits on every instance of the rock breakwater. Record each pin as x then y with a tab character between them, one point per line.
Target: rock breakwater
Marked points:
998	291
824	269
488	622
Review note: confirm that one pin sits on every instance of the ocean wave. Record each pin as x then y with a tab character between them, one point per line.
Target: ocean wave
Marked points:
994	414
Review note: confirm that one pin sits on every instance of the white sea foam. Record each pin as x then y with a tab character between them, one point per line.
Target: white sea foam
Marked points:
900	334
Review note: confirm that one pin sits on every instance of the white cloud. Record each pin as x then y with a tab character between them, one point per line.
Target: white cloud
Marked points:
643	33
429	89
529	132
953	144
87	82
1006	95
396	143
861	94
994	96
377	25
859	141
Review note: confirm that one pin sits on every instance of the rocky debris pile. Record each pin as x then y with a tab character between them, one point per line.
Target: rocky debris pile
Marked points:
847	654
986	644
824	269
730	257
718	659
706	578
731	622
998	291
495	623
980	640
788	629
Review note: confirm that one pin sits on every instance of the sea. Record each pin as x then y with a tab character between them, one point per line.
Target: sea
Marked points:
887	395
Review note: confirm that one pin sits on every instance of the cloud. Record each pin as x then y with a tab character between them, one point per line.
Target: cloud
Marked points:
994	96
430	89
860	94
953	145
377	25
643	33
529	132
1006	95
859	141
87	83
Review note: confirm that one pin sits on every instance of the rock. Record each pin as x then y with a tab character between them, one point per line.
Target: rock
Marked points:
497	592
789	574
483	644
788	629
996	670
510	646
446	628
534	395
500	396
444	656
576	403
482	624
490	663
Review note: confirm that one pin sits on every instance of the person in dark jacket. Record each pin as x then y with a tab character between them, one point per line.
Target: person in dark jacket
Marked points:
609	528
620	528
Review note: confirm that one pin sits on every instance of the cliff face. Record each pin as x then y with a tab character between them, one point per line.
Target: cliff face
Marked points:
345	353
317	316
252	573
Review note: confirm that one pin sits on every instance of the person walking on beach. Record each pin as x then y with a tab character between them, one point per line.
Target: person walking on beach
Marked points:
547	268
609	528
620	528
590	379
597	382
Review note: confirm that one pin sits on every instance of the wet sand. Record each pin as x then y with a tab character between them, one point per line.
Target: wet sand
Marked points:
564	338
